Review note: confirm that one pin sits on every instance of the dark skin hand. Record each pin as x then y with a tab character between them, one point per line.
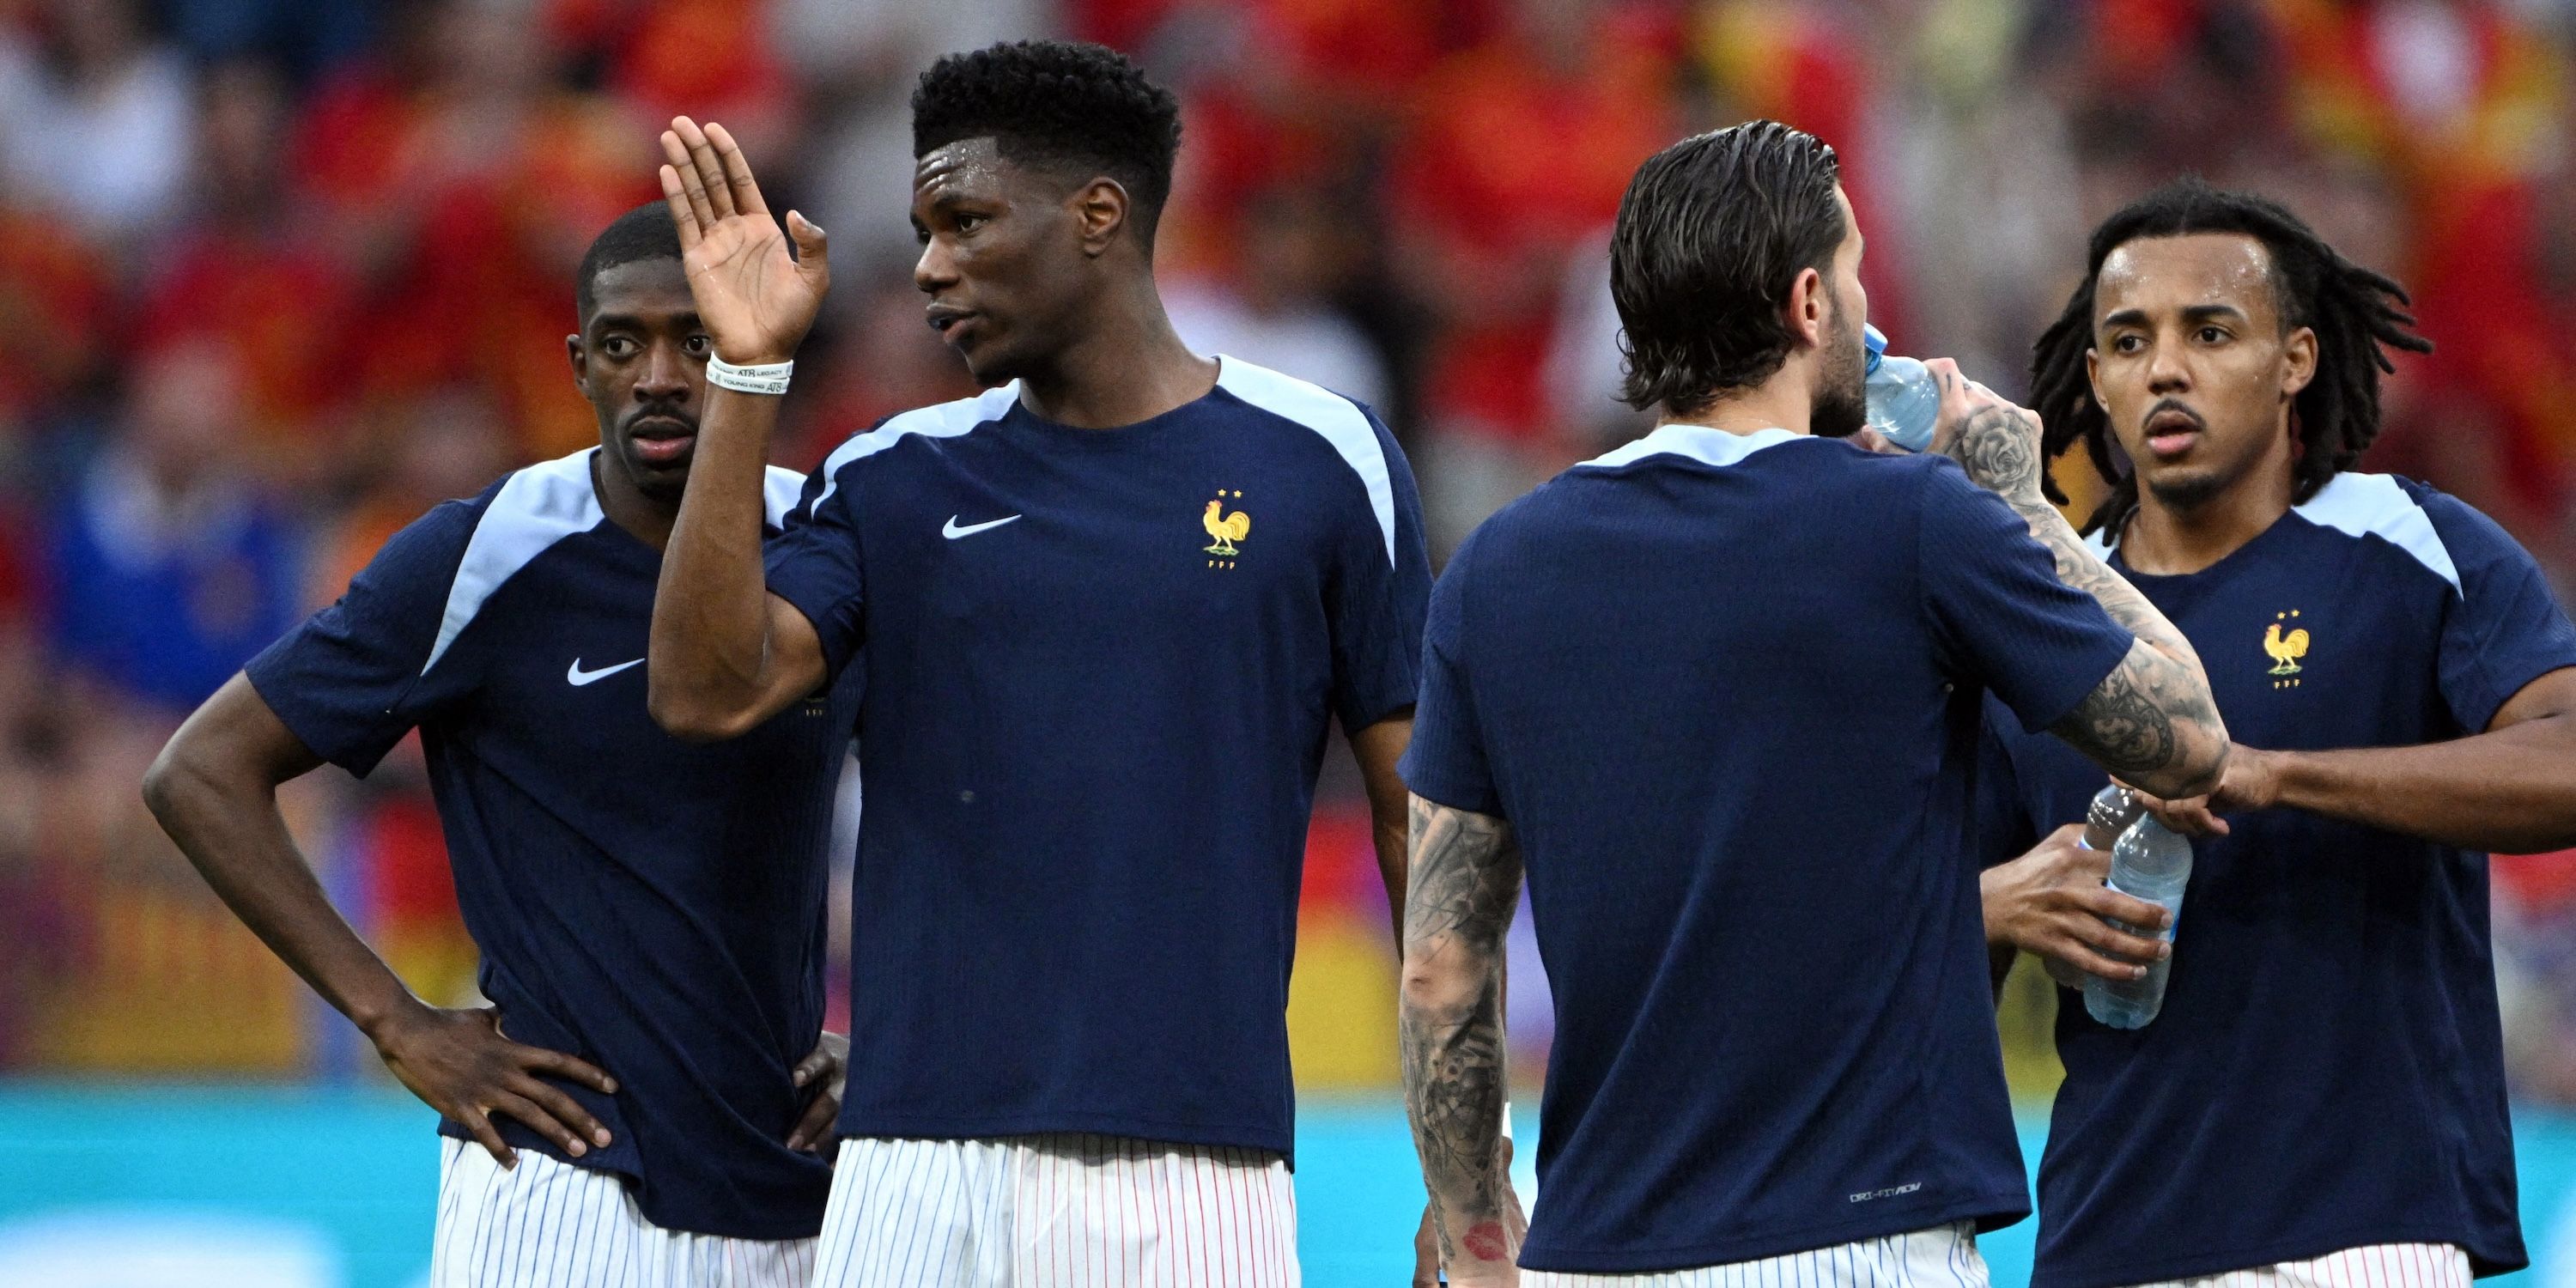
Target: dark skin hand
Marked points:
2509	790
826	1070
214	789
2052	902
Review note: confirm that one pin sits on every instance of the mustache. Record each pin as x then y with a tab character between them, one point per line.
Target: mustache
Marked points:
2175	406
657	411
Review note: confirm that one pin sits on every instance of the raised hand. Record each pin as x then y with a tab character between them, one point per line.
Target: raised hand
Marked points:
756	300
462	1065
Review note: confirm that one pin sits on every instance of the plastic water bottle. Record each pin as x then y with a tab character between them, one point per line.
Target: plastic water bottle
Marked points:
2153	863
1903	401
2114	808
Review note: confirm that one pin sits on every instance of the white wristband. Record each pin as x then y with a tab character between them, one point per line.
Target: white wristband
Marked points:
770	378
1507	1120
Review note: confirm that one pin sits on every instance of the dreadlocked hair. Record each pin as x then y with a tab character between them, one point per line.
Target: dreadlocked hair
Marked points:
2357	315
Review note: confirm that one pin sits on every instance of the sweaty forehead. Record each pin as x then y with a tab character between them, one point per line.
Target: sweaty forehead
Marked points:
968	167
2164	275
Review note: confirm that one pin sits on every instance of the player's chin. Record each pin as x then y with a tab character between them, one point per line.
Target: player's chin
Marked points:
660	473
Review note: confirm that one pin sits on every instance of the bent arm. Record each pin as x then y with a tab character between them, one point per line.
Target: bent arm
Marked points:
2151	721
1466	880
214	789
725	654
2511	789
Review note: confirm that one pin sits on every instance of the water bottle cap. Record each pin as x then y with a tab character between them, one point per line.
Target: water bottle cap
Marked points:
1875	342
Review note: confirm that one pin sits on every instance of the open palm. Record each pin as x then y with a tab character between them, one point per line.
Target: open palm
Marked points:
756	300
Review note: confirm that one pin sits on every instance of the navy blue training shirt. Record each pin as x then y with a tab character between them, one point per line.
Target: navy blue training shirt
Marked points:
653	906
1101	665
1726	690
2327	1071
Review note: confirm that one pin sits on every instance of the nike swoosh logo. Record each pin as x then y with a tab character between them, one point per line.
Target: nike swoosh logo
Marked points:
580	677
952	531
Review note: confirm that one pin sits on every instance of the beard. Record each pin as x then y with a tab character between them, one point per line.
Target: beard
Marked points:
1842	398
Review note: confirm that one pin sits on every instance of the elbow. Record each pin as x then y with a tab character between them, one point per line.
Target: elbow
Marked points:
691	717
178	775
1437	988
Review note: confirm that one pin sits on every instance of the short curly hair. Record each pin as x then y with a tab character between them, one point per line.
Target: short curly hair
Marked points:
646	232
1057	105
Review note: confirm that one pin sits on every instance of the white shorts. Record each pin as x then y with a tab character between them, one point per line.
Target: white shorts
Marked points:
2378	1265
1065	1210
548	1224
1944	1256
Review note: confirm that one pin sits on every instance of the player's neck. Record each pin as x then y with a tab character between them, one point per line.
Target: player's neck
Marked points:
645	518
1126	365
2167	540
1774	404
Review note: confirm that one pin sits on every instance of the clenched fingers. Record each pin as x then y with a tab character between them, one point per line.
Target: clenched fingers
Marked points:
816	1126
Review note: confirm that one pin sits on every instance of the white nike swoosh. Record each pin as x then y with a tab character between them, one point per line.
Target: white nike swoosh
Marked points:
581	677
952	531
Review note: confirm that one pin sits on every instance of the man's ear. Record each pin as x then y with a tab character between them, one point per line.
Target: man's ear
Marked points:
580	355
2299	354
1808	311
1100	210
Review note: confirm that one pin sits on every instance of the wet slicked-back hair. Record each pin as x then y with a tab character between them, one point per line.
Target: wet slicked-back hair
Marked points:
646	232
1712	233
1060	106
2358	316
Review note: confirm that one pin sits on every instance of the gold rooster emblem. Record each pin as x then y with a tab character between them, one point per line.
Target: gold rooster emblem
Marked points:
1226	528
2286	650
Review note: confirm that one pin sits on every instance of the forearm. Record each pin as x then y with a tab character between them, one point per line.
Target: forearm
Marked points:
1450	1024
1465	886
231	830
1388	836
2081	569
710	650
2512	791
1378	748
2152	720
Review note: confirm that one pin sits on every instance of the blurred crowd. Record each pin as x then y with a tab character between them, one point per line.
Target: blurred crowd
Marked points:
277	275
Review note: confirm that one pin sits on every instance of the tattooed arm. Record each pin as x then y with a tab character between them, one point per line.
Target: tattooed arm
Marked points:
1466	882
2151	721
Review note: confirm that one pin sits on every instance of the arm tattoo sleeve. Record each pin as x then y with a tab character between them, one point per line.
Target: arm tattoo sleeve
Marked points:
1465	885
2151	720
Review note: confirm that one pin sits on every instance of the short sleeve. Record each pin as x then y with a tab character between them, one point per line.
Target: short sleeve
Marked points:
1998	612
1376	601
814	564
354	678
1446	761
2505	629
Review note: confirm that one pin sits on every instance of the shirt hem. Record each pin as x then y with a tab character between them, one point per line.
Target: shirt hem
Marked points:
629	1172
1160	1130
1989	1211
2124	1273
